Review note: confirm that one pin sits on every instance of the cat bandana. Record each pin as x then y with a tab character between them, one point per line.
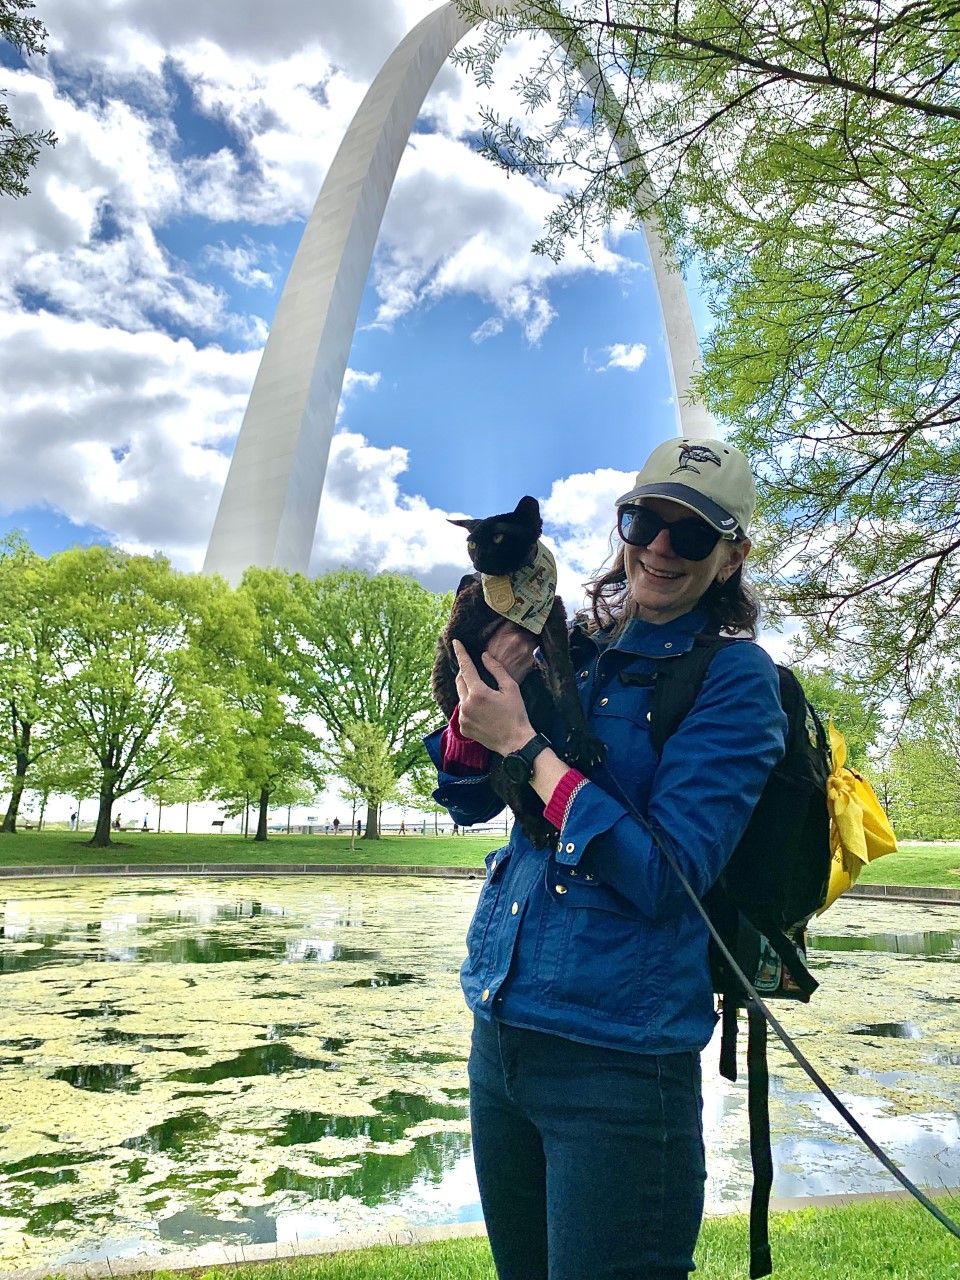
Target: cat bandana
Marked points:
525	596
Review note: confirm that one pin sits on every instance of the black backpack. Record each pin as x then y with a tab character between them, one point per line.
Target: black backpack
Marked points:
775	881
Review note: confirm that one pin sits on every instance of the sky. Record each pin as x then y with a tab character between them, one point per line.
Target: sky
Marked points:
139	278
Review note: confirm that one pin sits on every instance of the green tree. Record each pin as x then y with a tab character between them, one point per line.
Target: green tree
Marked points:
924	765
261	749
27	667
20	151
420	784
363	759
370	642
854	715
128	680
183	788
806	159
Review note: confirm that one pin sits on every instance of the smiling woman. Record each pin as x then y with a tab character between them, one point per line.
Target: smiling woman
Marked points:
587	969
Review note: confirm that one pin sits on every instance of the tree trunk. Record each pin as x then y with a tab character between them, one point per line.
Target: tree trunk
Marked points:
262	816
13	808
159	814
19	778
43	809
372	831
186	822
101	832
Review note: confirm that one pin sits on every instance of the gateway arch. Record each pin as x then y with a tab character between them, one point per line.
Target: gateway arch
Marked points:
270	503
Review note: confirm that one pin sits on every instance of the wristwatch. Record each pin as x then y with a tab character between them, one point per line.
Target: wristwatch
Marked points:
518	765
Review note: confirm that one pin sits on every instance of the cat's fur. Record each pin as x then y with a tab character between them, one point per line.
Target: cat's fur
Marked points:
502	544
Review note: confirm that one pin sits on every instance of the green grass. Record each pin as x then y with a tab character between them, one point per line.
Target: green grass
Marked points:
865	1241
933	865
915	864
47	848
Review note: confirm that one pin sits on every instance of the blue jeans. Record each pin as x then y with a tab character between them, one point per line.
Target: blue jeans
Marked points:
590	1161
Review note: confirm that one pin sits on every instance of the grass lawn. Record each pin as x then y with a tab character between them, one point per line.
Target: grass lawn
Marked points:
865	1241
937	865
46	848
917	864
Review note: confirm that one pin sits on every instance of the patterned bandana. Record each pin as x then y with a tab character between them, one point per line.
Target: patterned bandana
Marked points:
526	596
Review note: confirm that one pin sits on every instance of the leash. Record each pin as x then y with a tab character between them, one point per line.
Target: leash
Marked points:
757	1006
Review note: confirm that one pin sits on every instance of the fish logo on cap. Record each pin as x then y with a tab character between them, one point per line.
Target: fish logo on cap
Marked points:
691	453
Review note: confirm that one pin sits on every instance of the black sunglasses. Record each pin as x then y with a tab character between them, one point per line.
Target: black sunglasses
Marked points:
691	538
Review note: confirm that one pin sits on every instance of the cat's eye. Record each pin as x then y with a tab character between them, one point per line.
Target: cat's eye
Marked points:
498	537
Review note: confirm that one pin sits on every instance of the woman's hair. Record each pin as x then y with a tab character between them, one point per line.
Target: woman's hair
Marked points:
733	605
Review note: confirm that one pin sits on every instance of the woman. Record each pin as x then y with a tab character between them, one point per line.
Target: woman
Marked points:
587	965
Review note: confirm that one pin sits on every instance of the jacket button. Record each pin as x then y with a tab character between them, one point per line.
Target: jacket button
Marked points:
486	994
649	717
559	846
584	674
515	908
493	864
573	871
588	877
668	644
570	847
561	888
604	701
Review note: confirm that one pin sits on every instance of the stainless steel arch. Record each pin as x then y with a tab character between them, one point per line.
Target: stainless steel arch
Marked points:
271	499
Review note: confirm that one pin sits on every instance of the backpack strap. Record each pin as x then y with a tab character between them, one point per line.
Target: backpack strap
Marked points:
761	1156
677	683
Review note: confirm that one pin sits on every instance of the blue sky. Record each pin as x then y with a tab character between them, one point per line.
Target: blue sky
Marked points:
139	278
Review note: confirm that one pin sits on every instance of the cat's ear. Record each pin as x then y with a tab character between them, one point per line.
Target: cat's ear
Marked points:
528	510
469	525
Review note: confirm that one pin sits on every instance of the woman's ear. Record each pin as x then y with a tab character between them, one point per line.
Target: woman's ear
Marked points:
736	554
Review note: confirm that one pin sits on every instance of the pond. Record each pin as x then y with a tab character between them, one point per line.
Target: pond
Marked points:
248	1061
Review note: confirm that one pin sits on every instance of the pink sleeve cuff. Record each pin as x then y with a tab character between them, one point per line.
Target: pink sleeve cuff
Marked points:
556	810
457	750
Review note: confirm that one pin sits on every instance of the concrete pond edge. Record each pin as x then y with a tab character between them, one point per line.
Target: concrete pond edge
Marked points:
926	894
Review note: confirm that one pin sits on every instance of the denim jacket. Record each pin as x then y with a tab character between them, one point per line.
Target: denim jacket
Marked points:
595	938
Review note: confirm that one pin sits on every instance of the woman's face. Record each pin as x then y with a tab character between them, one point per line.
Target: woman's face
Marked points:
662	584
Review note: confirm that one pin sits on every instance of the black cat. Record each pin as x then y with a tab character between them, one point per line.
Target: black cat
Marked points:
501	546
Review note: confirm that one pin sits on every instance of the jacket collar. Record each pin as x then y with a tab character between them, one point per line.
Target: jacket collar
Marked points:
662	639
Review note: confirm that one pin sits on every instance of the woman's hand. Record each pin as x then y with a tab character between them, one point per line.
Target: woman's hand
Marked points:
513	647
496	718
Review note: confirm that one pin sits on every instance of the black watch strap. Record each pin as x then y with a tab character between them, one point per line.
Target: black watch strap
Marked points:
518	765
530	750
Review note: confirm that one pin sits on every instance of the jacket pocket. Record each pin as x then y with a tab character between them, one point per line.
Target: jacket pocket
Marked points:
598	951
495	864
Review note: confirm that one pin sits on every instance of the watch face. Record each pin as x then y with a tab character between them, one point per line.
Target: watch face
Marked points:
516	769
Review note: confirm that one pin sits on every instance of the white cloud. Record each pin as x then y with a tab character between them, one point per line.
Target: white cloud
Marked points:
118	430
622	355
240	262
492	326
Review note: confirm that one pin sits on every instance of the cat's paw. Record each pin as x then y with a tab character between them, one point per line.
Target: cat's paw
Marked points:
583	750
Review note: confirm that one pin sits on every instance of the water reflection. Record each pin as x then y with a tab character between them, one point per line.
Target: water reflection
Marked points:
930	943
291	1063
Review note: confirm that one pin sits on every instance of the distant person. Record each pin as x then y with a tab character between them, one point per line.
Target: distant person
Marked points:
456	829
359	828
116	823
73	821
144	827
336	826
403	827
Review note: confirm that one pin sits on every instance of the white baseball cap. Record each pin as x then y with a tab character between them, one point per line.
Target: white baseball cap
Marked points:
708	476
